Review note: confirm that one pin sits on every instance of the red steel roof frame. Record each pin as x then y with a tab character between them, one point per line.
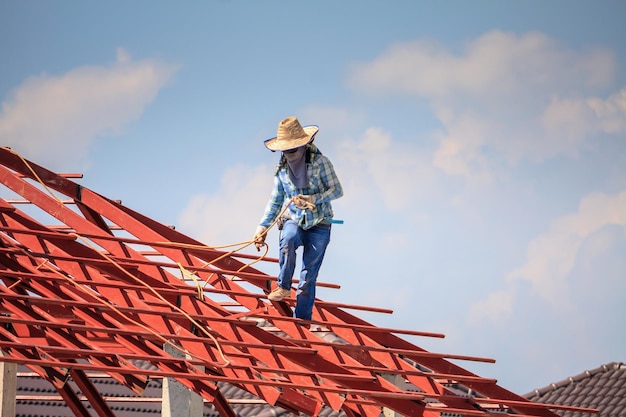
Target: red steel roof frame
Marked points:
108	286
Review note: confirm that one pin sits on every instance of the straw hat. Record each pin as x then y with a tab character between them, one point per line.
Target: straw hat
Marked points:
291	135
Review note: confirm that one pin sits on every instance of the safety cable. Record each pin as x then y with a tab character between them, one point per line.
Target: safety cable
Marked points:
117	265
298	200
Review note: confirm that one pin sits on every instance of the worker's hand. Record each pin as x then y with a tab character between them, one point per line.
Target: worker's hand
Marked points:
259	237
304	201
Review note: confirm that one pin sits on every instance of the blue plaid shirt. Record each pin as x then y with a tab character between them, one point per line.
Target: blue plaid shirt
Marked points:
323	185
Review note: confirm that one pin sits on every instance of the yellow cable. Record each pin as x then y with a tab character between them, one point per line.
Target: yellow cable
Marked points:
137	323
88	243
160	297
184	273
296	199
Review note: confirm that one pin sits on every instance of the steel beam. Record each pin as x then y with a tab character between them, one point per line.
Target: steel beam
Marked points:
107	286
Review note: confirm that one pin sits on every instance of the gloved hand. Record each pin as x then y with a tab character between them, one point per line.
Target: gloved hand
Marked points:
259	237
304	201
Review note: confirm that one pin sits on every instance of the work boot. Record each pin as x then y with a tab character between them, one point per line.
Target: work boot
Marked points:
304	323
278	294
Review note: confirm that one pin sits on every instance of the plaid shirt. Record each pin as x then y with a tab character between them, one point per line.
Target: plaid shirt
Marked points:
323	185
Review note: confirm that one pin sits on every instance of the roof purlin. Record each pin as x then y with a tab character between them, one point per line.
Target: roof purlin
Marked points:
109	293
58	212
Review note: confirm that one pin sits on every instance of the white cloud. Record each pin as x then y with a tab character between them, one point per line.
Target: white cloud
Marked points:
494	63
460	149
54	119
577	118
565	302
552	256
496	308
611	113
378	169
232	213
502	98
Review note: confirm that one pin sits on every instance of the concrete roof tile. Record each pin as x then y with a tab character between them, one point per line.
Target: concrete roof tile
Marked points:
603	388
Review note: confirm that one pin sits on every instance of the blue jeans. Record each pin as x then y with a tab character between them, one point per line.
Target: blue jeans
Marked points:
314	240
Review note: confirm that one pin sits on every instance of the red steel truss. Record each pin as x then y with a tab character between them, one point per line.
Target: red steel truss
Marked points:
105	287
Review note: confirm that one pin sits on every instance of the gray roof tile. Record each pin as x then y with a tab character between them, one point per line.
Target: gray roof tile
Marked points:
603	388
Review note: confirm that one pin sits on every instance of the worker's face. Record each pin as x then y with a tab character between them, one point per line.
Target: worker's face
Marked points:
292	151
294	154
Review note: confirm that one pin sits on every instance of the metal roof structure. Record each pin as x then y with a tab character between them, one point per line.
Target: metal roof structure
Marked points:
102	288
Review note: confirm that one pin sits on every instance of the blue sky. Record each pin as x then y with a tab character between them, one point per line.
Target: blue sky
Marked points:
481	146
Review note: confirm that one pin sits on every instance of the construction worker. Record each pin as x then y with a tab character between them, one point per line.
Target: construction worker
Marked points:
306	182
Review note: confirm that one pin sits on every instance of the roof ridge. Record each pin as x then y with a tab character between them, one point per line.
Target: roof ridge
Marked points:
577	378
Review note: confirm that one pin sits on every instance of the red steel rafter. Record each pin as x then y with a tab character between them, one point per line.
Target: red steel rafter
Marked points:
107	287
